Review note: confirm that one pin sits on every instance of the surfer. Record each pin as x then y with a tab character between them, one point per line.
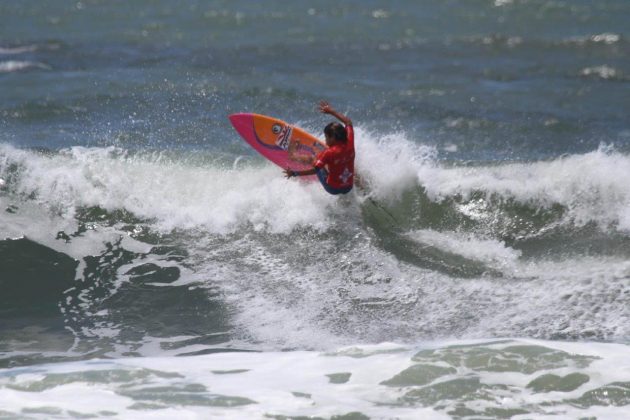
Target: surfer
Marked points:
334	166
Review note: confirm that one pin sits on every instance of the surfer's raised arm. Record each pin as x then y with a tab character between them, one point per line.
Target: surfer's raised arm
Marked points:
333	166
326	108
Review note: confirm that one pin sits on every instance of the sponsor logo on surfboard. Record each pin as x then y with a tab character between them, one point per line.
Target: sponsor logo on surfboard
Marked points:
276	128
283	138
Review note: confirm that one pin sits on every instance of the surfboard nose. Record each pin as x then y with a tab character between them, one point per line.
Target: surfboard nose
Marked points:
243	123
237	119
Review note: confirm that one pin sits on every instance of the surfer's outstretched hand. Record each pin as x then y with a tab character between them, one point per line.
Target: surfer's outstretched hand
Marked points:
289	173
325	107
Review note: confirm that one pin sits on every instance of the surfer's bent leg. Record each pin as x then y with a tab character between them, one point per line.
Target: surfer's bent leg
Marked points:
322	175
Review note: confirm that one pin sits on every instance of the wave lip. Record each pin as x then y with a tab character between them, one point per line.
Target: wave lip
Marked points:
588	188
574	190
172	193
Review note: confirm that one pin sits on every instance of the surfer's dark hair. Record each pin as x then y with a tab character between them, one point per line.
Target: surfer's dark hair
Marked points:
336	131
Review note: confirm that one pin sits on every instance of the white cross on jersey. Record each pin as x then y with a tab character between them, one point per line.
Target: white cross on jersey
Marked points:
345	175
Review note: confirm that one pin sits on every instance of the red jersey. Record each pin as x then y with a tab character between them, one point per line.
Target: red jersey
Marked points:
340	161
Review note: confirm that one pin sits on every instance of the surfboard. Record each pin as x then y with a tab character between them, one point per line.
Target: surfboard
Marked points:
271	138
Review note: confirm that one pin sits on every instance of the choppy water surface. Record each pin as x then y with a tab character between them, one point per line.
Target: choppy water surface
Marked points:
152	264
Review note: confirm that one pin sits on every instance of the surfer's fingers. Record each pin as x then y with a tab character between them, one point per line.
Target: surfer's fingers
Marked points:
324	107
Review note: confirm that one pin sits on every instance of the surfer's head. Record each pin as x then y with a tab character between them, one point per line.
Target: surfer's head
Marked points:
335	132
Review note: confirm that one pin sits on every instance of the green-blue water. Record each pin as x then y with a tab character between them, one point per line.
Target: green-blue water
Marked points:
134	222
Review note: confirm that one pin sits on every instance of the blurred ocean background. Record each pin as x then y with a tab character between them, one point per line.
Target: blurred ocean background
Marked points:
152	265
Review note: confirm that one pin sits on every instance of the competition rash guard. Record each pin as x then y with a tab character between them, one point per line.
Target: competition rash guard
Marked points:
340	161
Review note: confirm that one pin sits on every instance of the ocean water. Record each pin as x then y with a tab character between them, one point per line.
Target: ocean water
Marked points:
152	265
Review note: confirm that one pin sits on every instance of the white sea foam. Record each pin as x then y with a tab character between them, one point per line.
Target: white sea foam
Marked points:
487	378
17	65
605	38
175	195
366	294
490	251
604	72
591	187
389	164
218	199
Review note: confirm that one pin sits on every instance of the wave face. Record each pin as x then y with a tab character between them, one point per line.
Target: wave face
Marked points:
542	246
